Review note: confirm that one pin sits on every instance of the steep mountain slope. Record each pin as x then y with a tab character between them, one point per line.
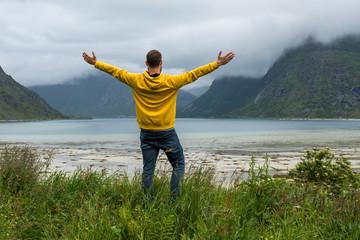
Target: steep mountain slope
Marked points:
224	95
20	103
98	95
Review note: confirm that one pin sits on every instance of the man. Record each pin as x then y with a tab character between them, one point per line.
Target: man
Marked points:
155	99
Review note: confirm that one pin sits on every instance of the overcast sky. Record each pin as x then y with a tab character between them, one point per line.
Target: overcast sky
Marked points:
41	41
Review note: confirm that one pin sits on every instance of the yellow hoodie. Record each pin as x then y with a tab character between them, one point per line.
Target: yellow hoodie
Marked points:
155	97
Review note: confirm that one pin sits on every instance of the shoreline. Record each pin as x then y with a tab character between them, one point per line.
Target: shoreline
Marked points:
225	162
226	159
227	153
230	118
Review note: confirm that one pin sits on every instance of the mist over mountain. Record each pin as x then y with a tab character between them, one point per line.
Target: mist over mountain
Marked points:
197	91
19	103
313	80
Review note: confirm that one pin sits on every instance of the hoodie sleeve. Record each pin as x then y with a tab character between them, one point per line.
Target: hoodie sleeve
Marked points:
123	75
191	76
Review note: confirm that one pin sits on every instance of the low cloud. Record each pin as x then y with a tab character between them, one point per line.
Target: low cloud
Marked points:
41	41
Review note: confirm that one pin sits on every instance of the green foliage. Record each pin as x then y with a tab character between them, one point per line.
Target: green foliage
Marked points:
323	168
87	204
21	167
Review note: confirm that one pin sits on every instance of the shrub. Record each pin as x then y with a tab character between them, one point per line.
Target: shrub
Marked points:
323	168
21	166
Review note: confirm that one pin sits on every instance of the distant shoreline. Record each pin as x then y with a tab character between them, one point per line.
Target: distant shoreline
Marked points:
275	119
40	120
290	119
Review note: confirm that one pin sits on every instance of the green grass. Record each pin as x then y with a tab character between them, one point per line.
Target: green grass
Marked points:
102	205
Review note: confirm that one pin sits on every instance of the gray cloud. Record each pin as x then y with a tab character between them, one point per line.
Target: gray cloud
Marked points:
41	41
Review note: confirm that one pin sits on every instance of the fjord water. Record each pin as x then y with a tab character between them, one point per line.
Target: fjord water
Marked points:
206	135
256	133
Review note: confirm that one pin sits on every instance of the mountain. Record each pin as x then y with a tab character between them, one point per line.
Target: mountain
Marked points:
313	80
184	98
98	95
20	103
223	96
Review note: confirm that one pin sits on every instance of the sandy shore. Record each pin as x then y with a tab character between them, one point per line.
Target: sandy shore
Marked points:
225	155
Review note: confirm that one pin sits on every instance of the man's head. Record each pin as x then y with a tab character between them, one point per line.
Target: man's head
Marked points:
153	59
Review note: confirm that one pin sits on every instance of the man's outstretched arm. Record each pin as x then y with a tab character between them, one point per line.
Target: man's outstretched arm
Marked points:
90	60
191	76
121	74
222	60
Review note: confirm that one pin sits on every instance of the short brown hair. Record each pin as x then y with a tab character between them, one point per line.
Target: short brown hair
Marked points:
153	58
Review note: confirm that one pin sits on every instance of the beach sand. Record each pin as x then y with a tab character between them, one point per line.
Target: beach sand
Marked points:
226	155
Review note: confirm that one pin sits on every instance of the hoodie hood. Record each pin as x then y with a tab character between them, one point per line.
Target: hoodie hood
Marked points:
154	83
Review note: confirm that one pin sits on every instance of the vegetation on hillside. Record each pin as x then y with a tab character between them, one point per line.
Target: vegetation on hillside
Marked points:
20	103
223	96
311	81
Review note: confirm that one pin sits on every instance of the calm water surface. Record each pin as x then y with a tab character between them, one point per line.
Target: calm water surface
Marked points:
126	129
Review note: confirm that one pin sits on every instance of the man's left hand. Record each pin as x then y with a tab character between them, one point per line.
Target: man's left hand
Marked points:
90	60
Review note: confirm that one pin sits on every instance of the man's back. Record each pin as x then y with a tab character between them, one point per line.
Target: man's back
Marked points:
155	97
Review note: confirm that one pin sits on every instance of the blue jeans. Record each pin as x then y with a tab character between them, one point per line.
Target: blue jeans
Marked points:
151	142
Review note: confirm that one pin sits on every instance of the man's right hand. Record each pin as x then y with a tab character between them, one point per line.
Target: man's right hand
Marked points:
90	60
